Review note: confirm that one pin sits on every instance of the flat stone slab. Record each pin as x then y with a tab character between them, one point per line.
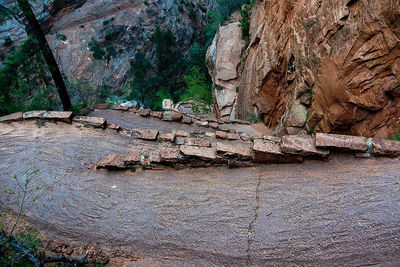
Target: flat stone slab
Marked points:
113	161
199	152
232	136
18	116
96	122
197	142
167	137
144	112
267	151
113	126
37	114
170	154
187	120
382	147
157	114
301	145
132	158
221	134
59	115
144	134
180	133
239	150
200	123
341	142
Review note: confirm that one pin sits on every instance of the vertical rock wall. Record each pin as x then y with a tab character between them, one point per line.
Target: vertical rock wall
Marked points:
223	59
324	66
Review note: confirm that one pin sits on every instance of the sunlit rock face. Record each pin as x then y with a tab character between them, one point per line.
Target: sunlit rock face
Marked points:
124	25
325	66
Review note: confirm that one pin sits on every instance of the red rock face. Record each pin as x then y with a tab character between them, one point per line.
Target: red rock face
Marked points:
342	55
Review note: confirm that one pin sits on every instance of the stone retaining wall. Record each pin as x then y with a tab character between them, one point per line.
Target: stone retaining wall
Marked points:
201	149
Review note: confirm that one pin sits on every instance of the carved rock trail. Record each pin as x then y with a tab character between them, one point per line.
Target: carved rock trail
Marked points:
345	211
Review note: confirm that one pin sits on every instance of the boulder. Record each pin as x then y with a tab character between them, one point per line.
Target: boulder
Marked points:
167	104
389	148
65	116
96	122
297	116
301	145
37	114
213	125
266	151
341	142
177	117
18	116
237	150
205	153
144	112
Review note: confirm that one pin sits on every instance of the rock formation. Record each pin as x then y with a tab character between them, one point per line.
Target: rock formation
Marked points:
123	26
223	59
325	66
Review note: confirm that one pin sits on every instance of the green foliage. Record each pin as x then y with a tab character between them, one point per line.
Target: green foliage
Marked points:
107	21
25	81
197	86
253	119
95	48
62	37
245	12
396	136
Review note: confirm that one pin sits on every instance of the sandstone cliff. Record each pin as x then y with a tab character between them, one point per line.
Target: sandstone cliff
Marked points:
323	66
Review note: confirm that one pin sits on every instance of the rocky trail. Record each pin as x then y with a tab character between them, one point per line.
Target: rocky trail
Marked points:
345	211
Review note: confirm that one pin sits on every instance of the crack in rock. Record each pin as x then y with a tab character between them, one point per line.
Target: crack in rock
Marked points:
251	224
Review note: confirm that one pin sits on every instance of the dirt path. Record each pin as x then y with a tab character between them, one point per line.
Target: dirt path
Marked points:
346	211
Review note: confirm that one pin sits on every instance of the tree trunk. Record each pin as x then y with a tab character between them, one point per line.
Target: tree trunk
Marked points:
47	53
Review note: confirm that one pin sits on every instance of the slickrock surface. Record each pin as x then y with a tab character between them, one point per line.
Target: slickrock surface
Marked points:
342	212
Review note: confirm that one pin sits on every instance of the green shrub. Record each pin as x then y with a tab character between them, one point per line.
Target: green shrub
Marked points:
107	21
62	37
253	119
245	12
95	48
396	136
197	87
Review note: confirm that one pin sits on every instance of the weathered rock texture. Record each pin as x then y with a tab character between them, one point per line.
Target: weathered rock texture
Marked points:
127	24
223	60
330	66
